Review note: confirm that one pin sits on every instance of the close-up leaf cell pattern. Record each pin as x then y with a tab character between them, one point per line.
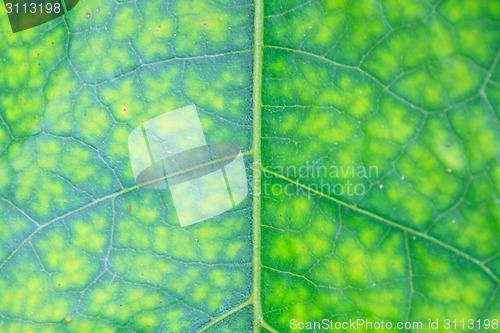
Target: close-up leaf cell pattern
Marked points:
370	132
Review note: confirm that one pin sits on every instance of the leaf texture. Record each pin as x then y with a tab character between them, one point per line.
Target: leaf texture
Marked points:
371	135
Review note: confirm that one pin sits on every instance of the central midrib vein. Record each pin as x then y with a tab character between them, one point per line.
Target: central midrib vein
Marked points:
258	53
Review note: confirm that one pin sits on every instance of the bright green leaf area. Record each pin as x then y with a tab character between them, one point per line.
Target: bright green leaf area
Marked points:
371	135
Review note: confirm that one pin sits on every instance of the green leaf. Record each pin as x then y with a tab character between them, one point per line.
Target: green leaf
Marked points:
371	134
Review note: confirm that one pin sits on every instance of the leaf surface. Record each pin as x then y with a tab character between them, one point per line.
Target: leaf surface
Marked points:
370	131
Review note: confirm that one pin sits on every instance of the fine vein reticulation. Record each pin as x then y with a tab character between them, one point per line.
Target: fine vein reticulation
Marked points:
259	170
